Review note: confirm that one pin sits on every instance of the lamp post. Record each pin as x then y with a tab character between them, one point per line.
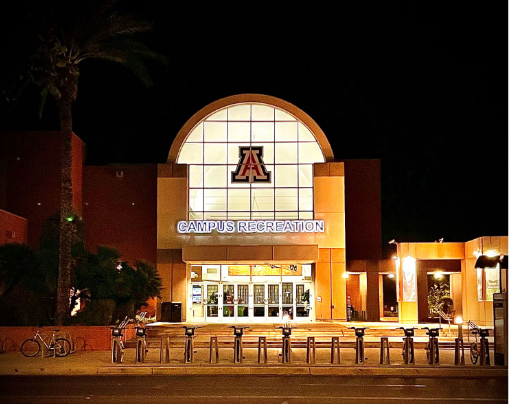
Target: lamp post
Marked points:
459	321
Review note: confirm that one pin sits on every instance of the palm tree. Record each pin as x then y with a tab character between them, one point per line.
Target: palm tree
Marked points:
66	39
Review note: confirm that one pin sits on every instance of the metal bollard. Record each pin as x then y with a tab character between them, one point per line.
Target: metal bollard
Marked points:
262	345
335	344
167	353
485	358
384	354
213	344
459	351
310	350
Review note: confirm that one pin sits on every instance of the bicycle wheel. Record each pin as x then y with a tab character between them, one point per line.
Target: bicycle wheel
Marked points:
116	352
473	353
30	347
62	347
405	352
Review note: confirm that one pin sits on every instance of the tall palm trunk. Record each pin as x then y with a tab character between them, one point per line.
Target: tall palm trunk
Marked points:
66	212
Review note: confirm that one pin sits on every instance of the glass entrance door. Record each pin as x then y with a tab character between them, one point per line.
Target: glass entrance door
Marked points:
211	301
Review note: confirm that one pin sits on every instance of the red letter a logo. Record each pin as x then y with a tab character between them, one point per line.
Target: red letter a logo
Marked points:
251	167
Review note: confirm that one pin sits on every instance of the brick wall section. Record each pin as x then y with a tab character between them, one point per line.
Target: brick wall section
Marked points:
30	176
119	210
13	228
87	338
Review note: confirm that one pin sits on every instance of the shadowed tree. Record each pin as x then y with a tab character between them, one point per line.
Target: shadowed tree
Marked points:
66	35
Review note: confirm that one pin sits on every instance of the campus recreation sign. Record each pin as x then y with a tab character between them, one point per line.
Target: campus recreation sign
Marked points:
250	226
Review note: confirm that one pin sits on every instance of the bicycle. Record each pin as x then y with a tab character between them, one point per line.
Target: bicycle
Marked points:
408	345
58	345
432	347
475	348
117	344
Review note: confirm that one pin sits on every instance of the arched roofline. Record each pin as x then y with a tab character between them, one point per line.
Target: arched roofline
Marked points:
250	98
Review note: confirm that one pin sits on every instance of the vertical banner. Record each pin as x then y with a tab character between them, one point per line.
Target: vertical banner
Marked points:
409	284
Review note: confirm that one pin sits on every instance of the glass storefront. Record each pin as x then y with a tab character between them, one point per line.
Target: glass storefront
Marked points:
251	293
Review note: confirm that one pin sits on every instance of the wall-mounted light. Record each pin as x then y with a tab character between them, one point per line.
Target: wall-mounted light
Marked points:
391	276
438	275
345	275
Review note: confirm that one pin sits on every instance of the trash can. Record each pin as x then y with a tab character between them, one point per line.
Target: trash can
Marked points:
171	312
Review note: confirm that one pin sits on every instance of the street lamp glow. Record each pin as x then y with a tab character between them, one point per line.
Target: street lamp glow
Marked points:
458	320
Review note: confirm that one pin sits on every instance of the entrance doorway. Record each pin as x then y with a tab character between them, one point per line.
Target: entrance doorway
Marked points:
388	297
250	293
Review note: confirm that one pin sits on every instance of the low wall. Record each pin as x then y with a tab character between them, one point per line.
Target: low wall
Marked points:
85	338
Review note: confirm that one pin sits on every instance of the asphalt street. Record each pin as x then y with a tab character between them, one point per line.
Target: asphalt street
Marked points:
249	389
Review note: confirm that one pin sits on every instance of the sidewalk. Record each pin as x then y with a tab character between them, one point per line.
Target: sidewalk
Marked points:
99	362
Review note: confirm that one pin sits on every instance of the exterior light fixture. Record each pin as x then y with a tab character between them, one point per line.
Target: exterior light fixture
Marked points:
391	276
491	253
438	275
458	320
345	275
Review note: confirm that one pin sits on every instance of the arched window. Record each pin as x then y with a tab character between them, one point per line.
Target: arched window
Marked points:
250	161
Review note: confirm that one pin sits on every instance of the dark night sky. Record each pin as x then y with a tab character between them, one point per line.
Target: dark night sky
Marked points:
420	85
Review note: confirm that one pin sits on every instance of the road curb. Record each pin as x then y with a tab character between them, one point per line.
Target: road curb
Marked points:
449	372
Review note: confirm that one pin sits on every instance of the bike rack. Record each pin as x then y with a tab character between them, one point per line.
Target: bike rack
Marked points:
384	353
141	340
238	343
262	346
286	344
408	346
459	351
213	345
189	333
433	345
335	345
360	344
484	347
310	349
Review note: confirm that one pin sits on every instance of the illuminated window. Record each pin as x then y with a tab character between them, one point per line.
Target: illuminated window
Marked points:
213	150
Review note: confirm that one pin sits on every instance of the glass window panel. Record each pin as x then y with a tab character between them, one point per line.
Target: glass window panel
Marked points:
196	216
215	176
305	199
218	116
196	176
215	153
215	215
262	215
479	283
215	131
239	113
286	153
267	152
238	199
233	152
310	152
238	215
306	215
191	153
305	175
283	116
304	133
262	113
286	215
270	168
238	131
262	200
286	199
196	200
285	131
215	199
262	132
286	176
197	134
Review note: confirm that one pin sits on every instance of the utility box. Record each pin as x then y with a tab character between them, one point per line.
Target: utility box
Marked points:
500	329
171	312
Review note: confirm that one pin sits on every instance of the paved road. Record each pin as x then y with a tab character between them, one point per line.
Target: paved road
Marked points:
249	389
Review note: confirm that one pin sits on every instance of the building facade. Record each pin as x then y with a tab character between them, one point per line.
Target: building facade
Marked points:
252	219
